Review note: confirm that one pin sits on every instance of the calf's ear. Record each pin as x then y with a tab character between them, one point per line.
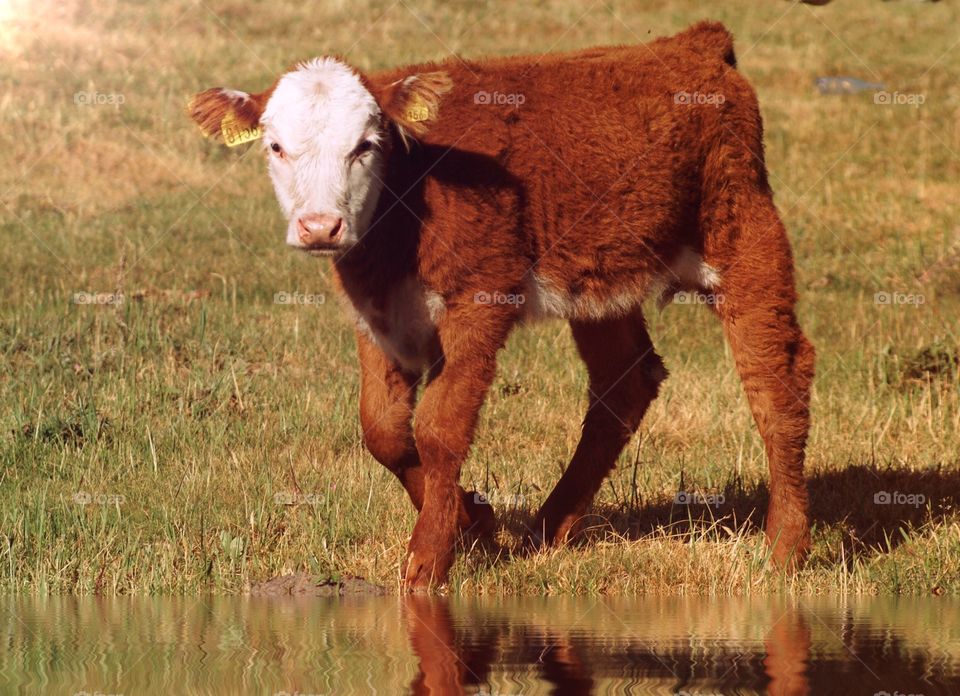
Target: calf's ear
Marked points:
228	115
413	103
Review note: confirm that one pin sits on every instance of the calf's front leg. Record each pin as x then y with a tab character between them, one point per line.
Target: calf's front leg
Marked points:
470	337
387	397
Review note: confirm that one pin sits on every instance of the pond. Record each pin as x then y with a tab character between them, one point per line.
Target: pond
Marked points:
434	645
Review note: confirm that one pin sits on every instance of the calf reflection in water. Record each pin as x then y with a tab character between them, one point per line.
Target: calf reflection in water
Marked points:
464	654
489	646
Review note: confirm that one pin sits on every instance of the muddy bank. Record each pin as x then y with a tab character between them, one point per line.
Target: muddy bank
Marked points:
306	585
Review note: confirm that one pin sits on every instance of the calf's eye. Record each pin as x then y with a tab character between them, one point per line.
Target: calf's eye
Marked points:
276	148
364	147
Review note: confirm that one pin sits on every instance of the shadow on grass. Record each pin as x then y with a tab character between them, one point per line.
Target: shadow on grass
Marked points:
869	508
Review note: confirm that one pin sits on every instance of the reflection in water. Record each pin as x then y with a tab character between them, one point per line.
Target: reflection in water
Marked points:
426	645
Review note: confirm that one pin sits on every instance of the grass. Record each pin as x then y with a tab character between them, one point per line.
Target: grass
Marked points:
199	436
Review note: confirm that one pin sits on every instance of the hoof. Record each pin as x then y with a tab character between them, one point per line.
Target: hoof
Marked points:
424	571
430	554
789	548
477	515
552	531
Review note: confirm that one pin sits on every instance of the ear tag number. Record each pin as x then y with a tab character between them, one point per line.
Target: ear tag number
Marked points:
417	111
235	134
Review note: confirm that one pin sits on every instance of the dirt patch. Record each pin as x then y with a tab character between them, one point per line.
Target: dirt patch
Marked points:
937	362
933	362
304	585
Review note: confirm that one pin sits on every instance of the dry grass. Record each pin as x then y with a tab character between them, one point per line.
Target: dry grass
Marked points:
198	399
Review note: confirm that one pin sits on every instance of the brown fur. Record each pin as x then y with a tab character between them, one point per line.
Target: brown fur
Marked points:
598	182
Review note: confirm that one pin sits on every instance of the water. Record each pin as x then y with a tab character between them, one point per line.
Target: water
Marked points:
390	645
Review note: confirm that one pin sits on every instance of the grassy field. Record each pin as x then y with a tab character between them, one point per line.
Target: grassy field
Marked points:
167	426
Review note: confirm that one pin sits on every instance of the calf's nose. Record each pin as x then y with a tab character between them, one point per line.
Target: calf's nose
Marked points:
319	228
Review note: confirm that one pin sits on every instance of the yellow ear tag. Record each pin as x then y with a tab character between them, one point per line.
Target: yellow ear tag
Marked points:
235	134
417	111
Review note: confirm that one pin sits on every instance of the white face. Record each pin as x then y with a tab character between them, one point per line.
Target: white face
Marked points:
323	136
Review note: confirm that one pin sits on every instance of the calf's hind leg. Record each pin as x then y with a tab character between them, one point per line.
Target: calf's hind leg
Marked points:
625	373
776	364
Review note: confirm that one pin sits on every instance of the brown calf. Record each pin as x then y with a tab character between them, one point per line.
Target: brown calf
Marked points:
582	183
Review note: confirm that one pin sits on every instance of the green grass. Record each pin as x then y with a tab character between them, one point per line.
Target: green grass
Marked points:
186	409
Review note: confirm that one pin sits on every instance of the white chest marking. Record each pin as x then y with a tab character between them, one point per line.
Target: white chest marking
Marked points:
405	327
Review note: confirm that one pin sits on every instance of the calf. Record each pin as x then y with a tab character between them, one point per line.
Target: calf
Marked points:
458	198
